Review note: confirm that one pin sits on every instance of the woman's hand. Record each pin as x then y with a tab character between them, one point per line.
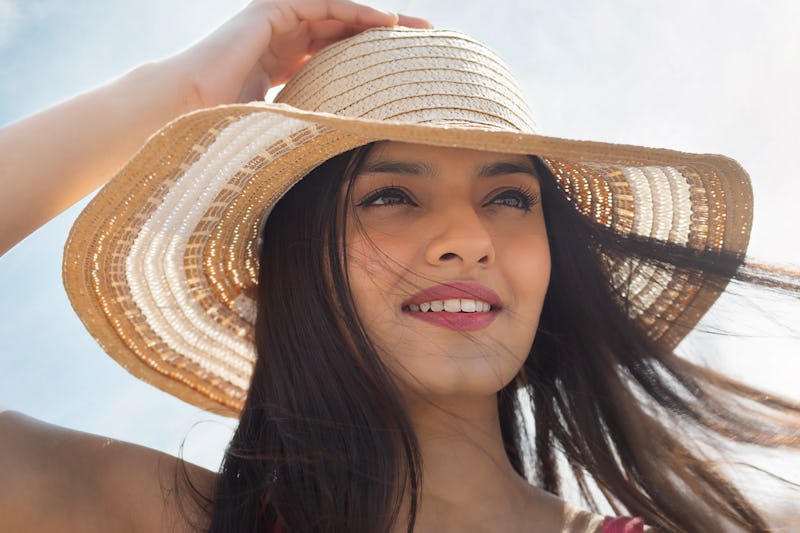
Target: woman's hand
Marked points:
268	41
54	158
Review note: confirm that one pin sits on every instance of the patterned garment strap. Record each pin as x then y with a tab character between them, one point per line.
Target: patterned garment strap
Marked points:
610	525
623	525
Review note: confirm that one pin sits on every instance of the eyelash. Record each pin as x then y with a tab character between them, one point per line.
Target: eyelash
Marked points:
526	196
370	200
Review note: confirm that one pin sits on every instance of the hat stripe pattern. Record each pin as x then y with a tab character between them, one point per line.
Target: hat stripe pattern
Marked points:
162	265
663	209
336	98
374	55
156	258
666	192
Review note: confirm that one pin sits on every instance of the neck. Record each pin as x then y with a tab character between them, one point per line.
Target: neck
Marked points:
468	482
462	447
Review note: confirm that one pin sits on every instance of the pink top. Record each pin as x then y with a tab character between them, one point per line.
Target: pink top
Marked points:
610	525
623	525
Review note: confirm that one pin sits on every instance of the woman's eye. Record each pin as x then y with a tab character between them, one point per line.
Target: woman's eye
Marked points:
516	198
388	196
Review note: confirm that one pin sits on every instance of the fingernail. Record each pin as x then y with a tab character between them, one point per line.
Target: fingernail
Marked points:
395	16
426	24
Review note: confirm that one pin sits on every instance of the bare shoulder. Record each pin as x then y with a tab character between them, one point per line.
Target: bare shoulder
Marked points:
55	479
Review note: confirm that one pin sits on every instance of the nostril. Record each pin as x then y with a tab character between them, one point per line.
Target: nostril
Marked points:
448	255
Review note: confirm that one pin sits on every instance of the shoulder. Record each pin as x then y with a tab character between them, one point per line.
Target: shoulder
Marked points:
55	479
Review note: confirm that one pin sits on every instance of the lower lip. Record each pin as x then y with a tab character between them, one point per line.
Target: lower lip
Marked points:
456	321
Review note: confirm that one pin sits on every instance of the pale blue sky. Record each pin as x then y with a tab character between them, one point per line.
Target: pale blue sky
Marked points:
703	76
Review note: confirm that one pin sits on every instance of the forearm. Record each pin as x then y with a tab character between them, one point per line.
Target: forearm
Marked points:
52	159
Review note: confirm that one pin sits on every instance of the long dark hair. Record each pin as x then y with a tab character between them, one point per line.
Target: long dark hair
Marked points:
324	442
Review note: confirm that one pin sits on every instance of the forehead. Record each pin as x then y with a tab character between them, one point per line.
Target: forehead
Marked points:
440	156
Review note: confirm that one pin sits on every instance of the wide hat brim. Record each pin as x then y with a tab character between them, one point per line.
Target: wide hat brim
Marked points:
191	333
162	265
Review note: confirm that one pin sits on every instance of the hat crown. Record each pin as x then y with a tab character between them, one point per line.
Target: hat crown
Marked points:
411	75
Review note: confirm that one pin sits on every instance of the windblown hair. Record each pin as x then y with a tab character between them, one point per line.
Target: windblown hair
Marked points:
325	444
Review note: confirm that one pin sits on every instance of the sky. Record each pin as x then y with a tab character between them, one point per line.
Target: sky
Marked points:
710	76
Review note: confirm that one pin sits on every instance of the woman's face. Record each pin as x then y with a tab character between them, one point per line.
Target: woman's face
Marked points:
453	228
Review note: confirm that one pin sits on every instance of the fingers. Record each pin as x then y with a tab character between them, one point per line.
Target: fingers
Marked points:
345	11
413	22
324	33
350	13
285	14
367	17
328	30
300	28
334	30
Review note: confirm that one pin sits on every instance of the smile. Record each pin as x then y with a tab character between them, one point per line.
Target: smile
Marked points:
454	305
460	306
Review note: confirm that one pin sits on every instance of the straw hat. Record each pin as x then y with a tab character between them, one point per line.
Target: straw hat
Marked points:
162	264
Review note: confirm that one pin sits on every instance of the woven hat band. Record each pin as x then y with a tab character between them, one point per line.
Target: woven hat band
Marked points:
404	75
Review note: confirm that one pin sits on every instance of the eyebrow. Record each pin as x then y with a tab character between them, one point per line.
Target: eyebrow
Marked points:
501	168
411	168
397	167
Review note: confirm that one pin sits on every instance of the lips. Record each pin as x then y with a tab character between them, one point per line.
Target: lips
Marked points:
458	321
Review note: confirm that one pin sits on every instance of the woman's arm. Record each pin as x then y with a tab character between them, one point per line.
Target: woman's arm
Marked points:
52	159
55	479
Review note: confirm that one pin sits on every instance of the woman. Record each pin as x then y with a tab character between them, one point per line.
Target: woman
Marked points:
395	397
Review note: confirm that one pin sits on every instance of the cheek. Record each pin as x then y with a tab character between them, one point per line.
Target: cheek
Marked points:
376	267
529	269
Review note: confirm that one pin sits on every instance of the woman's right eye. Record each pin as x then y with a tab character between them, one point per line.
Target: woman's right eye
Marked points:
386	197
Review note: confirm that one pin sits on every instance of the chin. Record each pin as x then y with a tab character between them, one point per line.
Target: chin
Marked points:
474	374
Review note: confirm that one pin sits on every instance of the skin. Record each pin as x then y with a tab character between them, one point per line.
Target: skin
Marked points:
54	479
424	215
440	221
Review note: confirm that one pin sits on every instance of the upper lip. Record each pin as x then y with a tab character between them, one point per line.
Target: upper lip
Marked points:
455	289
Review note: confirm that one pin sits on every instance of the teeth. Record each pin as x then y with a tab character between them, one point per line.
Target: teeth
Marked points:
454	305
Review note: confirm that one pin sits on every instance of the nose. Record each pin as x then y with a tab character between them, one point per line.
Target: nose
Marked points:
459	236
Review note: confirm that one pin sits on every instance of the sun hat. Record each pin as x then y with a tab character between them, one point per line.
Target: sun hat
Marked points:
162	265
